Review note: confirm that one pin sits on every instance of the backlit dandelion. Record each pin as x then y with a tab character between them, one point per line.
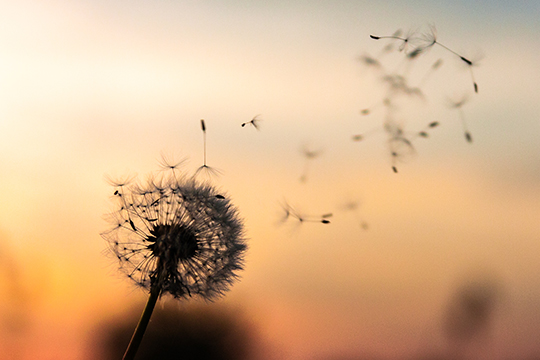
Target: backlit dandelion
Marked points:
175	235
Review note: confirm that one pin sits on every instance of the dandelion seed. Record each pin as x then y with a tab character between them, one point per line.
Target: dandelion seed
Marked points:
204	168
458	105
397	36
309	155
291	213
203	126
132	225
183	239
475	85
429	38
253	122
401	148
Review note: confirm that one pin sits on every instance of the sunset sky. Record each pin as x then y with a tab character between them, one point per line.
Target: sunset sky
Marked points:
93	90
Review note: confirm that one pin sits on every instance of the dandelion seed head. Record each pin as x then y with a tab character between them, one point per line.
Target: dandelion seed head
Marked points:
177	234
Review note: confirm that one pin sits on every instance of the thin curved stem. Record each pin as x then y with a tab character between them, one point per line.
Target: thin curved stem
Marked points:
143	323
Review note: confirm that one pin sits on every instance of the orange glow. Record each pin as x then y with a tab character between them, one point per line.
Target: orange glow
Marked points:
98	89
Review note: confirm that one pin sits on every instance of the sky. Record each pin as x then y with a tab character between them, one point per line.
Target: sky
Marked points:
94	90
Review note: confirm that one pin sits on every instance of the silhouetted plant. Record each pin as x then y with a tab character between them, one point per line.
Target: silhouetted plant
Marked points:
175	235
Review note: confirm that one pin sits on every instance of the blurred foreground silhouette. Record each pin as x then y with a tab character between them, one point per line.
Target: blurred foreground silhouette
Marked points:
203	331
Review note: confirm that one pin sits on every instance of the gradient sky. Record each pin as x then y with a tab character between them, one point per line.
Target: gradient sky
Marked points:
92	89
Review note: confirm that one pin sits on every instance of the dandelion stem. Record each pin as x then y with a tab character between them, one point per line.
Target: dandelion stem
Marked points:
143	323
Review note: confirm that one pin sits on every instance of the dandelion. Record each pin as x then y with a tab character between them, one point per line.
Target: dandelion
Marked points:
253	122
174	235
